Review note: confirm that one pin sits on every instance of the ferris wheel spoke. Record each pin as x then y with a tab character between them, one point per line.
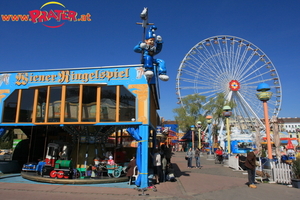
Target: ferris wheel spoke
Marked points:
212	59
248	73
188	72
193	62
238	113
259	81
245	64
256	70
192	79
211	92
207	66
254	77
219	59
241	113
239	57
228	95
232	66
234	52
240	60
249	107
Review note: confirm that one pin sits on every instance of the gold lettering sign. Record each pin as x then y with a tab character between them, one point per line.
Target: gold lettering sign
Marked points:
71	76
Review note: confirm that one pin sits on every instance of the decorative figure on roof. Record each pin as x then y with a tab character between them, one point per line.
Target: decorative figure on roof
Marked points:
151	46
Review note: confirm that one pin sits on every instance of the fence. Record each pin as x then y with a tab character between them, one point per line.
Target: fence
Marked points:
233	162
281	172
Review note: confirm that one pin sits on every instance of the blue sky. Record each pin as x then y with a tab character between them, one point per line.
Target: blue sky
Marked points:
272	25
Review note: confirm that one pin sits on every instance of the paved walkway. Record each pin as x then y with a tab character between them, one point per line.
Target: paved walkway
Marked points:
212	182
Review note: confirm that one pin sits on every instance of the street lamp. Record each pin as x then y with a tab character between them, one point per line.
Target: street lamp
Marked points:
208	121
199	134
264	96
193	129
227	113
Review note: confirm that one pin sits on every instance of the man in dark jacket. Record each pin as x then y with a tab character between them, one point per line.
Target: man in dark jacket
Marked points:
250	164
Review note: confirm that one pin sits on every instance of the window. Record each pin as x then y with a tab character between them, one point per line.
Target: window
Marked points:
72	104
41	104
10	107
54	104
80	104
108	104
26	105
127	105
89	103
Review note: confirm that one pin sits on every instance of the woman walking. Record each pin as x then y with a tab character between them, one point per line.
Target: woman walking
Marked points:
189	155
197	158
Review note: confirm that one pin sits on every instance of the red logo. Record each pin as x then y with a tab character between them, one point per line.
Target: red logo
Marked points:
55	16
234	85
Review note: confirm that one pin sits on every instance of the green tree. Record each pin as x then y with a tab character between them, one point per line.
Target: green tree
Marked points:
190	113
6	141
214	107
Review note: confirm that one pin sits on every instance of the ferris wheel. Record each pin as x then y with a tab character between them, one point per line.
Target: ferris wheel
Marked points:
235	67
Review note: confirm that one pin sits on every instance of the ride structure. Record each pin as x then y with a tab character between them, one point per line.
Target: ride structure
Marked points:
56	165
232	66
82	107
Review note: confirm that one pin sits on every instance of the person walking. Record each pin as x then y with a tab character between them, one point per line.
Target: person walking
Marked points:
250	164
189	155
197	158
164	167
157	166
168	153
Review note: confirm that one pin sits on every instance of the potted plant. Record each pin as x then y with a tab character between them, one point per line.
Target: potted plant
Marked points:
296	173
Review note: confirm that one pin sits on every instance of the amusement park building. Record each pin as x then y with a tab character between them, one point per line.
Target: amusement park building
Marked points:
290	125
82	106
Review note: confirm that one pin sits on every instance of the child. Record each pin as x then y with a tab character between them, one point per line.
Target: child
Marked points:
111	161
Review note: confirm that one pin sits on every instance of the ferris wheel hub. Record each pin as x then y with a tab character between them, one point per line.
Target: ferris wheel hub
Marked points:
234	85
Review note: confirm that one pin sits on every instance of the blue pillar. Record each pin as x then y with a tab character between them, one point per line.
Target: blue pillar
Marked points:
144	133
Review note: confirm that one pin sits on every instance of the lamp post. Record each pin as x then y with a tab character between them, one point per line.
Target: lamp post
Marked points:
208	120
264	96
199	134
210	156
193	129
227	113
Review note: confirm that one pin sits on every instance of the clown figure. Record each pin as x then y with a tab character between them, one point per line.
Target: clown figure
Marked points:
150	47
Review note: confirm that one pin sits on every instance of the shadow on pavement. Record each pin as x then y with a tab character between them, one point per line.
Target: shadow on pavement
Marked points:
178	172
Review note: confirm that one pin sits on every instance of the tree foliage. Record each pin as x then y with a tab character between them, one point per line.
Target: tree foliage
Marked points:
191	112
196	109
214	107
6	141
